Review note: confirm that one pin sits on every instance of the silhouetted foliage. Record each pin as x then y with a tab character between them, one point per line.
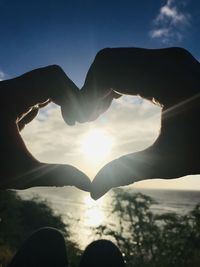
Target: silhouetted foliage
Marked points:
19	218
147	239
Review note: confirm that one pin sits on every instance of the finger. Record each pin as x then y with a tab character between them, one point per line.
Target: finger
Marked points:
71	109
151	73
45	83
116	95
148	164
174	154
39	86
28	118
20	170
119	172
49	175
92	110
30	115
122	69
97	83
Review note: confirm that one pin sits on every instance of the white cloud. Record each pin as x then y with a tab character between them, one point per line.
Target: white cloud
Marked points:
132	126
158	33
170	24
2	75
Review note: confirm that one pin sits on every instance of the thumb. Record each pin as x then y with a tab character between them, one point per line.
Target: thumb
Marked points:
43	174
151	163
120	172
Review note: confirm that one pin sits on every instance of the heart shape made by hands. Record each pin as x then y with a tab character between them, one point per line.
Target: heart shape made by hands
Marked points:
130	124
171	76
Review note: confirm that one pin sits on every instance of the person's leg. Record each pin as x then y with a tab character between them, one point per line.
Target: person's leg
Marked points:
102	253
45	247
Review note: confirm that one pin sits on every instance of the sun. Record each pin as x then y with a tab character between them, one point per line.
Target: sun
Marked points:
97	144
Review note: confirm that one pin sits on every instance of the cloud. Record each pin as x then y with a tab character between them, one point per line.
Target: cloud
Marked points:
133	127
2	75
171	23
159	33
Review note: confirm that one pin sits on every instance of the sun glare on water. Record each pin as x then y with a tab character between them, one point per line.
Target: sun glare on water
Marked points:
96	145
94	214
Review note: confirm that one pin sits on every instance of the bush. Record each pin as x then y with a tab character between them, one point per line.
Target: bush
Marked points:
147	239
19	218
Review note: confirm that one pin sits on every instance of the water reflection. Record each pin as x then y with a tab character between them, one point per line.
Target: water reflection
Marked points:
94	213
77	209
82	213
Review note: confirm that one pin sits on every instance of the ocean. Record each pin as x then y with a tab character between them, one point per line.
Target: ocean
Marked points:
77	208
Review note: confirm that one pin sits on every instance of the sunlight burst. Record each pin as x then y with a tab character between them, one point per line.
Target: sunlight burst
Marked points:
97	145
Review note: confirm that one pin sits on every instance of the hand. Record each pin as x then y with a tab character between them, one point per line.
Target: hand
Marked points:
21	99
170	77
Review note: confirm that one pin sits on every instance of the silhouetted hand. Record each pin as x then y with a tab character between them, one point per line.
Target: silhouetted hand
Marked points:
170	77
21	99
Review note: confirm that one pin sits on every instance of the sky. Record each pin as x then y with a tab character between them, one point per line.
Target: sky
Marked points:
70	33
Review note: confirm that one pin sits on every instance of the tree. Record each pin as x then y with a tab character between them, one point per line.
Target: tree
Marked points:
148	239
19	218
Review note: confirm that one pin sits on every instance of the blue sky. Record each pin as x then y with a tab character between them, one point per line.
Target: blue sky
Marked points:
70	33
